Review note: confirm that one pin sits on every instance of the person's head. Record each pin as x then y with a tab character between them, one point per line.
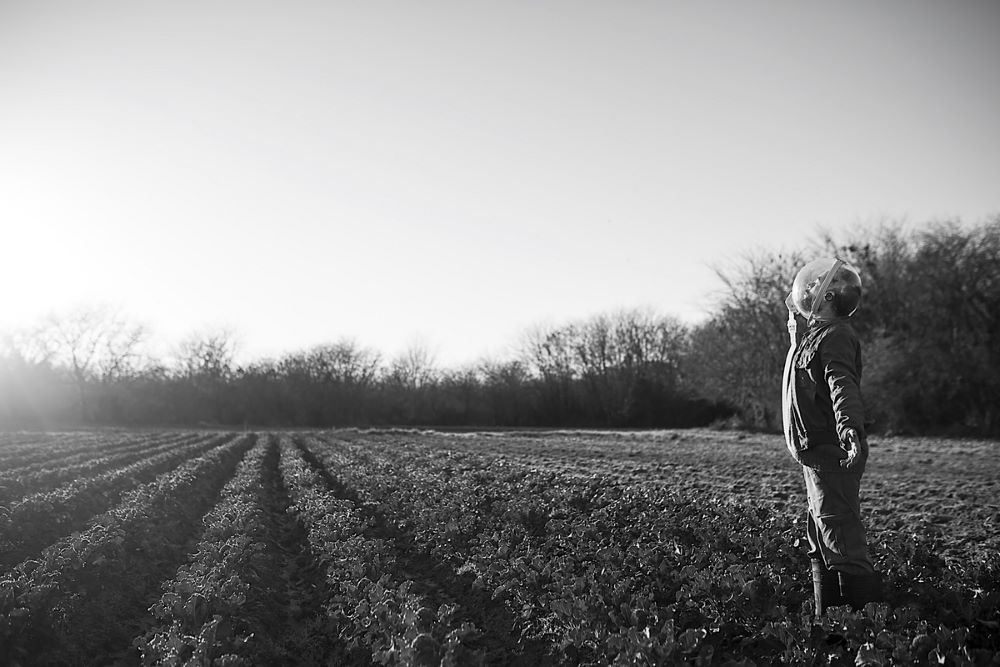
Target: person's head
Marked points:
826	288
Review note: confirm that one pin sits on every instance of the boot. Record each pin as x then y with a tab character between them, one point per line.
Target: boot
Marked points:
858	590
826	587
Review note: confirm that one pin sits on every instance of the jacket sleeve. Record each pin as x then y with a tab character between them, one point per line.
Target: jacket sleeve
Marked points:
840	354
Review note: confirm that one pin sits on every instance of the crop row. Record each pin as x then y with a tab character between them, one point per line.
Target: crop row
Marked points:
214	605
618	573
16	482
379	617
86	594
84	451
41	518
34	448
427	548
595	572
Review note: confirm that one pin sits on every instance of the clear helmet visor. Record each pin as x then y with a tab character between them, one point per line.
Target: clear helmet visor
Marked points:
826	286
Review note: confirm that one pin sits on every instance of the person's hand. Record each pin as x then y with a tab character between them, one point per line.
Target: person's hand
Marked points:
790	303
855	448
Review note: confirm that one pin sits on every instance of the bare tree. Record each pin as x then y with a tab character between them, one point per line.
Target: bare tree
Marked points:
332	383
507	384
414	367
208	354
204	366
30	347
624	356
94	343
548	353
341	363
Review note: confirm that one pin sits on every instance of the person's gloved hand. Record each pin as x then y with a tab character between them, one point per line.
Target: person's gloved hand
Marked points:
855	448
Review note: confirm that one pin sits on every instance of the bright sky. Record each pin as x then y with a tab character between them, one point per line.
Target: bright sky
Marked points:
456	172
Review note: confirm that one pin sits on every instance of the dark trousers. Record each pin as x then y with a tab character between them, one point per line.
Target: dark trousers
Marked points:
834	528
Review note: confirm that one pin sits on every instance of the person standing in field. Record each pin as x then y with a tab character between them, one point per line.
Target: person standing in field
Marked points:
824	420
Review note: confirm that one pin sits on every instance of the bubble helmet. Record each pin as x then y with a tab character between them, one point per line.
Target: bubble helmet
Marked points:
826	280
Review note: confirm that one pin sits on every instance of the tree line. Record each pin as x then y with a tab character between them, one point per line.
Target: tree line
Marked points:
620	369
928	323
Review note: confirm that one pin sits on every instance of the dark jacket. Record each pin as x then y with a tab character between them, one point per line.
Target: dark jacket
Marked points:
825	386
